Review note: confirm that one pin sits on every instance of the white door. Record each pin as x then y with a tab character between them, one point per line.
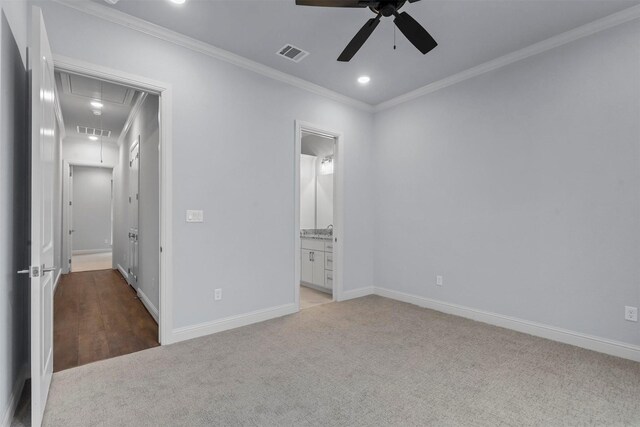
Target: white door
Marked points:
134	178
42	179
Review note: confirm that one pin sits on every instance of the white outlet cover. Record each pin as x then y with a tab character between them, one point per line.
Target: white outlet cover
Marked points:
631	313
195	216
217	294
439	281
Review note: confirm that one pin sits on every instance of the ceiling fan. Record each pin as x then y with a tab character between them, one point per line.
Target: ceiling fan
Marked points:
411	29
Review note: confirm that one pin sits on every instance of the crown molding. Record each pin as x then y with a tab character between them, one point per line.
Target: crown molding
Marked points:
137	24
165	34
132	116
594	27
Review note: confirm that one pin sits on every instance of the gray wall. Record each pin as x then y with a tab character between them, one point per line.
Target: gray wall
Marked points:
91	209
14	207
522	188
228	124
145	125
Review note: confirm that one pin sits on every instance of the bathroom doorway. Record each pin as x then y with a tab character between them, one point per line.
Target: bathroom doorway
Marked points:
316	196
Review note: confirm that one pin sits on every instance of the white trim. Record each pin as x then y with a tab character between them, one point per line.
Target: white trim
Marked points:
590	342
610	21
170	36
357	293
207	328
153	311
14	399
123	272
57	281
164	91
338	206
90	251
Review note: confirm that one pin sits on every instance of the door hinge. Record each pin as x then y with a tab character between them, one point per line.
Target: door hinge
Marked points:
137	196
129	199
160	249
70	203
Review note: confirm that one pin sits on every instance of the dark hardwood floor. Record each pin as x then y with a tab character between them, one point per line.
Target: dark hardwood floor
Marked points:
97	315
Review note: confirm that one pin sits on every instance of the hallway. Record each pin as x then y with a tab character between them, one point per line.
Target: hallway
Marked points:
97	316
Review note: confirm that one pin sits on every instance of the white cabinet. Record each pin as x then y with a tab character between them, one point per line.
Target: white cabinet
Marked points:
306	266
316	264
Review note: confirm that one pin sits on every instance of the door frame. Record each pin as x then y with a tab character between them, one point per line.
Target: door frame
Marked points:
338	205
164	92
67	192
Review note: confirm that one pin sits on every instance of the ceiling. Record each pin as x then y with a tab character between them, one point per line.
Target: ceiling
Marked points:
316	145
469	32
76	93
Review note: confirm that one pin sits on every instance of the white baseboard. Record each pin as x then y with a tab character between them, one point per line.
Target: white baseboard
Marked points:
91	251
14	399
123	272
153	311
357	293
207	328
55	284
590	342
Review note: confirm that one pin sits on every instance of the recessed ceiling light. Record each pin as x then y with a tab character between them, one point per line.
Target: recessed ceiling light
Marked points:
96	104
97	112
363	80
178	1
93	138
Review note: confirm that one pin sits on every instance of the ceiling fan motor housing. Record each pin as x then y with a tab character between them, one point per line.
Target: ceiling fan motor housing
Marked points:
387	8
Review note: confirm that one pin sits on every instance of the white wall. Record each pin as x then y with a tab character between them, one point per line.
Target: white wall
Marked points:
522	188
227	123
91	209
145	126
307	191
14	224
80	150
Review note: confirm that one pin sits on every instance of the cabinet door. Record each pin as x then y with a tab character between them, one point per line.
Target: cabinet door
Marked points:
318	268
306	266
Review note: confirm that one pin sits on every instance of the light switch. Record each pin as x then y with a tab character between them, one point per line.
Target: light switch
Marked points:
195	216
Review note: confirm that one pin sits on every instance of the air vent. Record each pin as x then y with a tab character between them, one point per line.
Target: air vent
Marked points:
293	53
83	130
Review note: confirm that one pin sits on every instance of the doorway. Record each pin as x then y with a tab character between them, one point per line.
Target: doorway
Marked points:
317	212
90	213
106	303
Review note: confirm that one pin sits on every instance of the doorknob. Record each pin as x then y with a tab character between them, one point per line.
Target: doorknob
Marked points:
23	271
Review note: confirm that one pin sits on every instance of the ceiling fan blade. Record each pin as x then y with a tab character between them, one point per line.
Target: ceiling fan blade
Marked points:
358	40
413	1
331	3
413	31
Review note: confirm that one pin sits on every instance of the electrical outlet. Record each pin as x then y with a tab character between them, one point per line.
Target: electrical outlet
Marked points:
631	313
217	294
439	281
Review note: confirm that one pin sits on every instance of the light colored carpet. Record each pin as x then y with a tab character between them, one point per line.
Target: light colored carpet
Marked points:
310	297
91	262
365	362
